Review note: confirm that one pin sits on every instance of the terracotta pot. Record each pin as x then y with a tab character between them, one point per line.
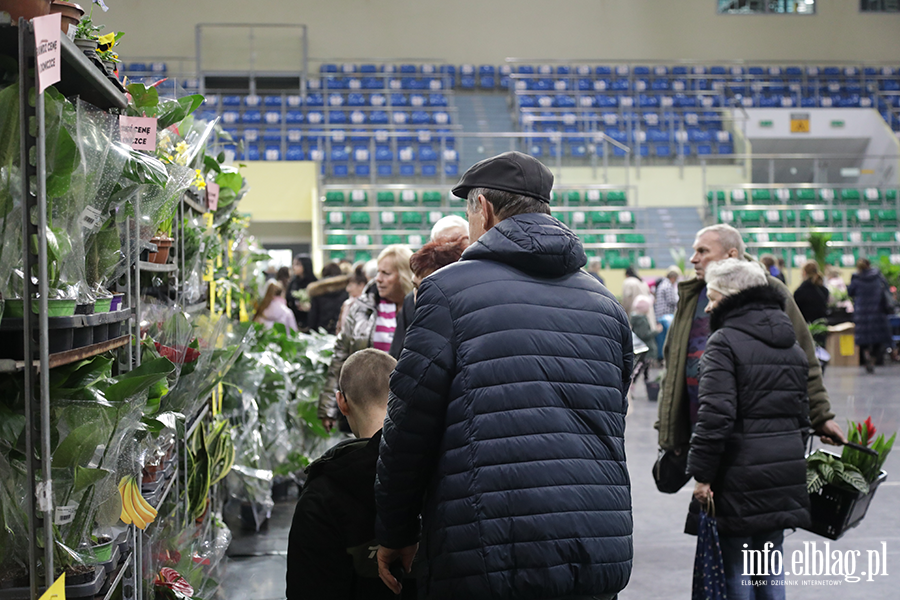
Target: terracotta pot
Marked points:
28	9
162	250
71	13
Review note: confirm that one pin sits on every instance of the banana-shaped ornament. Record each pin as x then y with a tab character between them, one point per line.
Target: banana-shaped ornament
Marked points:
135	509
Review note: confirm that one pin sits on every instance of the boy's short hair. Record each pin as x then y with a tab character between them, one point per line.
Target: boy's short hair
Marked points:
365	378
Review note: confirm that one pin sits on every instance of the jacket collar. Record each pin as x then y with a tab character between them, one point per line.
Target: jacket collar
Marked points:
327	286
729	306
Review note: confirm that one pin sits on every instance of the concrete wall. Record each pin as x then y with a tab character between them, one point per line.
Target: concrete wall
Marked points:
489	32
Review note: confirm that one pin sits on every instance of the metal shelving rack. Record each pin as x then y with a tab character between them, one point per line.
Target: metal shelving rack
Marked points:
79	77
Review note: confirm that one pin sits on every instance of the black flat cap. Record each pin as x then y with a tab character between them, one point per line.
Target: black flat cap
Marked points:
512	172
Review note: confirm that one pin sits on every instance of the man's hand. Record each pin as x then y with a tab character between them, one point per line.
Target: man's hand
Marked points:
328	424
387	557
831	431
703	492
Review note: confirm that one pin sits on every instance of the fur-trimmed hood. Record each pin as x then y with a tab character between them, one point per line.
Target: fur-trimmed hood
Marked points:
757	311
328	285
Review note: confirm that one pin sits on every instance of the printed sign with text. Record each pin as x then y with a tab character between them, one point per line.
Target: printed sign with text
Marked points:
212	196
47	31
138	132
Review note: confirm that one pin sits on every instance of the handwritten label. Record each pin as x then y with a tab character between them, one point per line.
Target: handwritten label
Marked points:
43	494
212	196
63	515
90	218
138	132
47	31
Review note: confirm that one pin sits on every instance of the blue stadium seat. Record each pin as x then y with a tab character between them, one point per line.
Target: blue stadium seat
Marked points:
429	170
420	117
339	170
337	117
486	82
451	170
725	149
385	170
407	170
251	117
272	101
294	117
231	100
294	152
269	135
251	152
663	151
315	100
383	154
361	170
704	149
272	152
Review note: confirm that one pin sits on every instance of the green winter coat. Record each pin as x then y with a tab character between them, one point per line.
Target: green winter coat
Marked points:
674	420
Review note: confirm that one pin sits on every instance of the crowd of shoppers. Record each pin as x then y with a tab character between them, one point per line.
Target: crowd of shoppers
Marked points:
476	439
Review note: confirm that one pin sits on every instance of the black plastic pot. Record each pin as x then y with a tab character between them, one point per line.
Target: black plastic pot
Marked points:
652	391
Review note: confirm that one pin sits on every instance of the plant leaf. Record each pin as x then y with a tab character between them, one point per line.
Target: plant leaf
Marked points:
85	476
143	96
79	446
140	379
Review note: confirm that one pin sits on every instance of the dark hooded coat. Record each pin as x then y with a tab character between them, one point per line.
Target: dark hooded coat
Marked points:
753	419
506	421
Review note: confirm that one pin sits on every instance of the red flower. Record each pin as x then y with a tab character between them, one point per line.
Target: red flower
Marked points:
171	579
870	430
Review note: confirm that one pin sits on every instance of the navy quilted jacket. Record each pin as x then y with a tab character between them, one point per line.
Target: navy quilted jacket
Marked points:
506	421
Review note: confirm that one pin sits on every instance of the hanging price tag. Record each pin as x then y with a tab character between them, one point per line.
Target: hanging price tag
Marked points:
138	132
47	31
90	218
64	515
212	196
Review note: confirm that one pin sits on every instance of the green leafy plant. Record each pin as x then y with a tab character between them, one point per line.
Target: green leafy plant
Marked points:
862	433
823	468
679	256
818	327
818	242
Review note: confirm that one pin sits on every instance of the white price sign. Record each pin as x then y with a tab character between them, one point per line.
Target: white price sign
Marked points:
138	132
47	32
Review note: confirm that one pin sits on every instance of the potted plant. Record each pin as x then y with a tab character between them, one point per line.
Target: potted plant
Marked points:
71	14
653	387
106	54
86	37
842	487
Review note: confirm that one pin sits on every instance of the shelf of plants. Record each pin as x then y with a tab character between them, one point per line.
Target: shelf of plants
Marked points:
150	399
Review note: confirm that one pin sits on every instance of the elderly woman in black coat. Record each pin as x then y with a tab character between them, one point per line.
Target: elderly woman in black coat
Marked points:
747	450
869	289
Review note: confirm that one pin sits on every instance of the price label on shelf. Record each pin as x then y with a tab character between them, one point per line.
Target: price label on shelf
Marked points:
212	196
138	132
47	31
57	591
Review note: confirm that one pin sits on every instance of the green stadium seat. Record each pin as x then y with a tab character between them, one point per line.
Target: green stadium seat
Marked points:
336	240
760	196
862	217
834	257
633	238
814	217
359	197
434	216
850	196
578	219
625	219
601	218
337	255
461	215
790	217
360	219
362	239
593	197
726	216
411	219
610	238
890	195
416	240
886	216
750	216
738	197
385	197
646	262
616	198
826	195
363	256
387	219
880	236
837	217
409	197
588	238
774	217
554	197
872	195
759	238
333	197
837	237
715	197
391	238
614	260
804	196
573	197
335	219
784	237
431	198
782	195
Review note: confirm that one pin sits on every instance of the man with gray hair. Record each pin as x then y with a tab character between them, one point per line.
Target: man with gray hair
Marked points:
686	341
506	421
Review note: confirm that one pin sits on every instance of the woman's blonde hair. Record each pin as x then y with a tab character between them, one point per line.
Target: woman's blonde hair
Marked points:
811	272
401	254
272	290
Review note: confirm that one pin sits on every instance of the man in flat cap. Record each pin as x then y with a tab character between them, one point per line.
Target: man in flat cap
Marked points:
503	458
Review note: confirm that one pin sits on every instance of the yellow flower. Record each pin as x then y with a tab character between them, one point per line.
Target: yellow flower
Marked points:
107	41
201	185
181	148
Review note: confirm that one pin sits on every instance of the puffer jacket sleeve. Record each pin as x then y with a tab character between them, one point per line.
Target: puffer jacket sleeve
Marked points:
717	412
627	362
414	424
